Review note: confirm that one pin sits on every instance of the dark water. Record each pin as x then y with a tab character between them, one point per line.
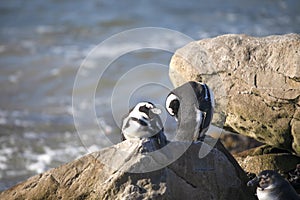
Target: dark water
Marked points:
43	44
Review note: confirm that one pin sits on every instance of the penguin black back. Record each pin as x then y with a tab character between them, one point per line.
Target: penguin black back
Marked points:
192	105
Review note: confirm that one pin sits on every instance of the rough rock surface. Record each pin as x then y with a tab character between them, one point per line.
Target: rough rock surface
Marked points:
256	82
109	174
265	158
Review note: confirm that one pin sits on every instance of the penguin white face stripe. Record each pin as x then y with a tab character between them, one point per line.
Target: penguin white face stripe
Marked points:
170	98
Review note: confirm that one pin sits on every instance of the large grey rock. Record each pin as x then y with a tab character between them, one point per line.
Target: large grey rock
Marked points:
256	82
111	174
264	157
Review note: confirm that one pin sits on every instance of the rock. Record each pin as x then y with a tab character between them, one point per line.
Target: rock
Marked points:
236	143
115	173
216	176
256	82
253	163
266	157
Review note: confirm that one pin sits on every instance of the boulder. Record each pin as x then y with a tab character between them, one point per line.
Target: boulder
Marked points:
266	158
256	82
123	172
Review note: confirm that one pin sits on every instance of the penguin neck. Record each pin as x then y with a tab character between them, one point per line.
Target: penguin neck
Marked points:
188	128
277	192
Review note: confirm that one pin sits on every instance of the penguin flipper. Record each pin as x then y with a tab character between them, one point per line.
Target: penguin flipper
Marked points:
162	140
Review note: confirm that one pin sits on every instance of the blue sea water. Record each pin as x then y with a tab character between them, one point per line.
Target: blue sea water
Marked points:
44	43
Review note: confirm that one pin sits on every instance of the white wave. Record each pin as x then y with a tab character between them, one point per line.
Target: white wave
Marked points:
55	72
46	29
14	78
3	160
39	163
2	48
3	121
93	148
23	123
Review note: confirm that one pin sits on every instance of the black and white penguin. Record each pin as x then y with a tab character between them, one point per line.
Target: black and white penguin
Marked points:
192	105
143	122
272	186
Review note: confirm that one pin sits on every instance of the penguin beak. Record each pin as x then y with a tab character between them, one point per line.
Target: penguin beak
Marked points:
253	182
156	111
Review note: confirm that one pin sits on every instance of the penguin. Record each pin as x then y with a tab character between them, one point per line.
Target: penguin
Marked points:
143	122
272	186
192	105
294	178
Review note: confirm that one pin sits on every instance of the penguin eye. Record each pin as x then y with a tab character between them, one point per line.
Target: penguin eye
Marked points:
145	110
172	104
265	179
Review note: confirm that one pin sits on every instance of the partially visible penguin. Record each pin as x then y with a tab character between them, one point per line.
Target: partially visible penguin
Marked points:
272	186
192	105
143	122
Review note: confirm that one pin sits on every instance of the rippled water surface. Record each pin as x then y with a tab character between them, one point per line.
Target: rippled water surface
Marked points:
43	44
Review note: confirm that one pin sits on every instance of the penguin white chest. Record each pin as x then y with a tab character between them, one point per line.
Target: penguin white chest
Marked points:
135	130
262	195
265	195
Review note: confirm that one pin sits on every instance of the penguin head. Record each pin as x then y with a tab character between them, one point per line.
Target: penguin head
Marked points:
172	105
191	102
142	121
267	179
